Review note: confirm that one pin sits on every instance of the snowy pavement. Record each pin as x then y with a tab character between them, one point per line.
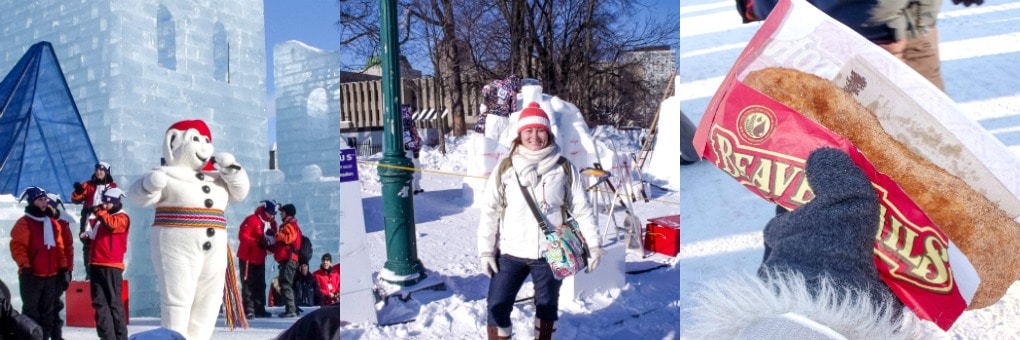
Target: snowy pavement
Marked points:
647	307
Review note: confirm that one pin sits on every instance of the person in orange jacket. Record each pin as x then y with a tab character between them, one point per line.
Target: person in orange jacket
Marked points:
90	195
106	265
251	253
328	279
287	240
37	247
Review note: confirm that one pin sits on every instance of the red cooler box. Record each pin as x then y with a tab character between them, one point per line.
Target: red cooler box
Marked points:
662	235
79	304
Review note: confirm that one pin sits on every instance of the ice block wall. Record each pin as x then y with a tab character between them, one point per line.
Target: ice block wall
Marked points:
134	67
307	88
306	85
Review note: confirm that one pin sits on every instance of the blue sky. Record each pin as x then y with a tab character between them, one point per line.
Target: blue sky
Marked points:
313	22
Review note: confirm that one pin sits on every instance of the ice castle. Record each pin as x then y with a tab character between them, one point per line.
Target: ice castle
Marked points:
134	68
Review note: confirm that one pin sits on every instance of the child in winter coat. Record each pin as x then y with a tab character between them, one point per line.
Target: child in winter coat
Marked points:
37	246
535	165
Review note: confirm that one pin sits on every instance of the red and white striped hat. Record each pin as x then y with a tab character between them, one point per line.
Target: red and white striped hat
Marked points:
533	117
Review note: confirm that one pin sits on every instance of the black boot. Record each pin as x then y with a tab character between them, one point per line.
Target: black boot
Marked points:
544	329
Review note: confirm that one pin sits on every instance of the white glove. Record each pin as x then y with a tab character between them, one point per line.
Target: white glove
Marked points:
227	162
489	267
154	181
593	259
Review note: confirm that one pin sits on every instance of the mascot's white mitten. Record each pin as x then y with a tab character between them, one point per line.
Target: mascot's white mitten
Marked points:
154	181
227	163
188	238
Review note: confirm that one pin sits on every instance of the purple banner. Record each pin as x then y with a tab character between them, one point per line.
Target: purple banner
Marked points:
348	165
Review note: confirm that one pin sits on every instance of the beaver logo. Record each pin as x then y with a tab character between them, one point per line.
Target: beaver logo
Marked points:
756	124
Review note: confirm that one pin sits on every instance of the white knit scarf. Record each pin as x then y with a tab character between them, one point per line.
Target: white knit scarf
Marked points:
97	197
529	164
48	239
266	225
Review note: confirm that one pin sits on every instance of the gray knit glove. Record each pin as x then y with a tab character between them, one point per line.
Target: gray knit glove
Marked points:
833	234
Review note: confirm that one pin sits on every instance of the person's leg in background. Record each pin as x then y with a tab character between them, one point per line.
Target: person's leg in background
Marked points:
922	55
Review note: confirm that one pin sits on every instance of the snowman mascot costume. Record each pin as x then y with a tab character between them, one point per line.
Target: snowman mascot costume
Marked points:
188	238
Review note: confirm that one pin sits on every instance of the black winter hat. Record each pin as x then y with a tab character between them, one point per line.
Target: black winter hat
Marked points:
326	256
269	206
32	193
289	209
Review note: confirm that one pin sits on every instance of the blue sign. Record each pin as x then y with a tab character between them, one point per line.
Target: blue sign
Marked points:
348	165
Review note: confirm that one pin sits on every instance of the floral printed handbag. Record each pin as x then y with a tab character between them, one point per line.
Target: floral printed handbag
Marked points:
566	251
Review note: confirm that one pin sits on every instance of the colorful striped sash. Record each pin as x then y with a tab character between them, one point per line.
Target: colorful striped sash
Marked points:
190	218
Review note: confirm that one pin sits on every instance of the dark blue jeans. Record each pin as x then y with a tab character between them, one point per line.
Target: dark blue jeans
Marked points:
508	281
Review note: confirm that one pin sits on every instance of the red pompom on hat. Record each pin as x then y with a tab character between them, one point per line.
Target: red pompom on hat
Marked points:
198	125
533	117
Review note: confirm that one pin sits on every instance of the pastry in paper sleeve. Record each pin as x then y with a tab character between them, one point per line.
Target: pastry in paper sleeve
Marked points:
984	233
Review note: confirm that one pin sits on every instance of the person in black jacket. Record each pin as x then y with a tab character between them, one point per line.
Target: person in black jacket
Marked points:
306	290
14	325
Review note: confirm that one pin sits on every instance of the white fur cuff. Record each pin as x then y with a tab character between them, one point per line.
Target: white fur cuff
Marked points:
736	306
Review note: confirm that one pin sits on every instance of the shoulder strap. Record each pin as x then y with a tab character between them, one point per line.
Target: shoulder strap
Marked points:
503	165
531	204
500	169
567	193
567	199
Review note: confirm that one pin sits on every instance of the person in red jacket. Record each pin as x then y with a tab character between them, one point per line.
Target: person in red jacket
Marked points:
106	264
251	254
90	196
37	247
328	279
287	241
54	211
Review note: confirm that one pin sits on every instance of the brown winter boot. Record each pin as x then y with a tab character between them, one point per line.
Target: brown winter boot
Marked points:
544	329
494	333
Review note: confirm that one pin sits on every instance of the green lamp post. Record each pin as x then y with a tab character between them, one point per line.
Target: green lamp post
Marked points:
402	266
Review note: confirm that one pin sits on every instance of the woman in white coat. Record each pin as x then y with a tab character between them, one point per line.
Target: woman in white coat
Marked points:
510	242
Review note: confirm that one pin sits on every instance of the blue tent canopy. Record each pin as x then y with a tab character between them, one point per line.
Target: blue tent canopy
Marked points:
43	141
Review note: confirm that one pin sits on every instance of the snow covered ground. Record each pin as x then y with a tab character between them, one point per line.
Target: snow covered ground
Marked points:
647	307
722	221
